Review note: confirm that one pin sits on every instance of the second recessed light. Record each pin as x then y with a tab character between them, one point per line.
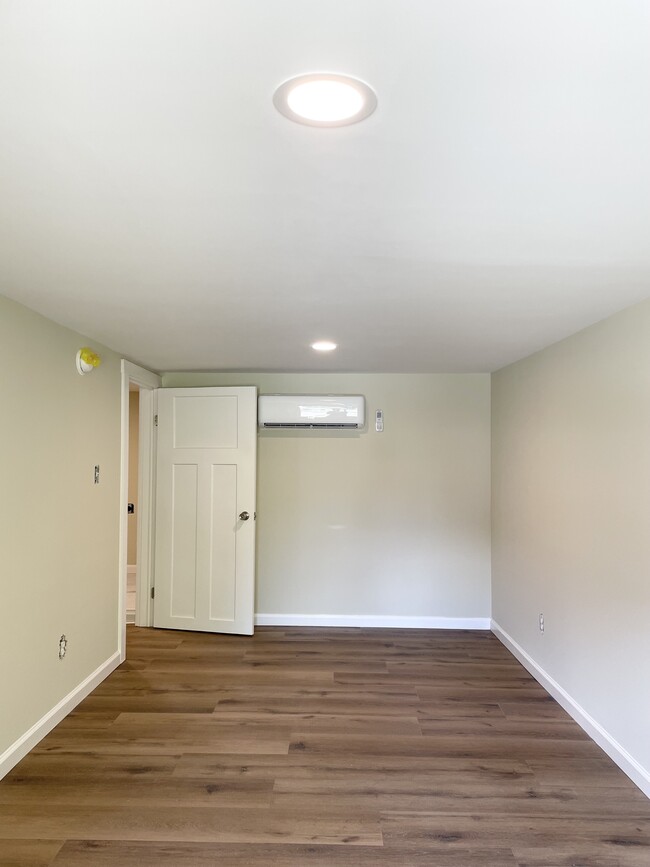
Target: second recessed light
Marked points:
324	346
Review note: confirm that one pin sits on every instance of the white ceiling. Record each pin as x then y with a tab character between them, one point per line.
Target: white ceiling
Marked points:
496	201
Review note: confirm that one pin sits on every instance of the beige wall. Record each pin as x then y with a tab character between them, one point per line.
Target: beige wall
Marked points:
58	531
134	424
571	518
393	523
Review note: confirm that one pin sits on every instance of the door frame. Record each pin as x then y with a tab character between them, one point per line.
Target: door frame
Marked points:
147	382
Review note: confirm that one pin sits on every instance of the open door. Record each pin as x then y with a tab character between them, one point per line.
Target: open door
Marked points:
205	509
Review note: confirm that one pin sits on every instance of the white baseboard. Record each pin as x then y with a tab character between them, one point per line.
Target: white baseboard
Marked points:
626	762
377	621
13	754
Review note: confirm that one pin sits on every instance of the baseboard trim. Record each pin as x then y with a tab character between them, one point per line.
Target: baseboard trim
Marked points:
13	754
376	621
626	762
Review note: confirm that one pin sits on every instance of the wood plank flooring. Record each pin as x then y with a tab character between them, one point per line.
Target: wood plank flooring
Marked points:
320	747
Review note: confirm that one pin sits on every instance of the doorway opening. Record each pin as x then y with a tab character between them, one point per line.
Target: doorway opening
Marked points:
132	507
137	478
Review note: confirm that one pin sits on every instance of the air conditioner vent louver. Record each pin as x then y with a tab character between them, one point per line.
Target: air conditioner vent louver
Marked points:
309	412
307	426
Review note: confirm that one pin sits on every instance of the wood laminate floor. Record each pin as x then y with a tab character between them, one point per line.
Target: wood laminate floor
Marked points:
363	748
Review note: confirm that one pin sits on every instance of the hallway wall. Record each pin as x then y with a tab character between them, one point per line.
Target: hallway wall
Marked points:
58	530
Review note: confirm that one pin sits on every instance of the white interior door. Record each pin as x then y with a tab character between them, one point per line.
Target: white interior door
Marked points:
205	509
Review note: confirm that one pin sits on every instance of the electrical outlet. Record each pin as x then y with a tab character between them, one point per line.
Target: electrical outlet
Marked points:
63	646
96	474
541	623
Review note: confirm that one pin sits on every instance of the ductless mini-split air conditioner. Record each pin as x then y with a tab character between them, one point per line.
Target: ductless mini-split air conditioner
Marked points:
311	411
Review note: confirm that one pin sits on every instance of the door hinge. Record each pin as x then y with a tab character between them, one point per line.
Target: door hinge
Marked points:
155	420
153	592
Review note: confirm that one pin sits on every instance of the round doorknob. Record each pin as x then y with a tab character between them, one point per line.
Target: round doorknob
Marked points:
244	516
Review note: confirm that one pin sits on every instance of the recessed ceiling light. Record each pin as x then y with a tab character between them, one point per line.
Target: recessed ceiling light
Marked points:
325	99
324	346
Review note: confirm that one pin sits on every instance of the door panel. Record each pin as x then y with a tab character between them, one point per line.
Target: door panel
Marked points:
184	505
208	422
205	554
223	550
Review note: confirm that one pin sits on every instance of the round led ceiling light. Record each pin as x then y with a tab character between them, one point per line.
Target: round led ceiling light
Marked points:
325	99
324	346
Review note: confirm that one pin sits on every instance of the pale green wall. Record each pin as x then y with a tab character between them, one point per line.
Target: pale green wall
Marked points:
58	532
571	518
393	523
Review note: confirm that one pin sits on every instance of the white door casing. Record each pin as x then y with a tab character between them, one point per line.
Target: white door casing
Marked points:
148	383
206	484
